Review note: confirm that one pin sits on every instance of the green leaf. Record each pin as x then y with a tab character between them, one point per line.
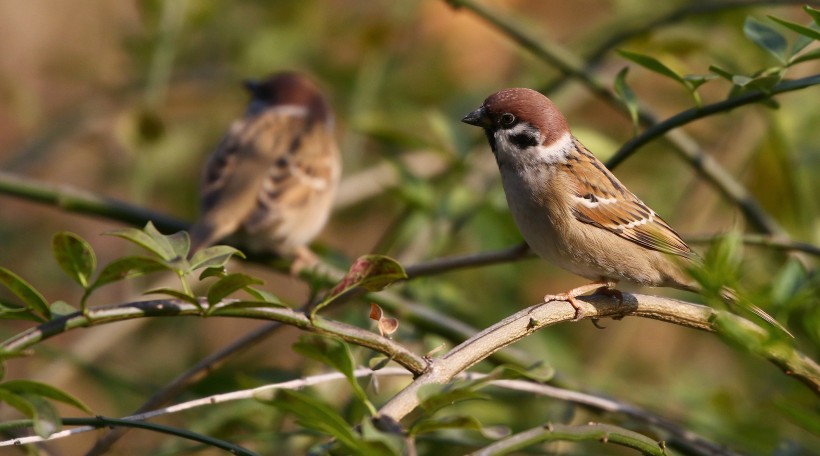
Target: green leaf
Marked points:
216	271
46	417
652	64
41	389
214	257
180	243
433	398
14	311
721	72
41	412
145	241
314	414
697	80
337	354
265	296
128	268
62	308
814	13
75	256
805	57
175	294
808	32
627	96
371	272
426	426
766	37
244	305
802	415
803	41
229	284
31	298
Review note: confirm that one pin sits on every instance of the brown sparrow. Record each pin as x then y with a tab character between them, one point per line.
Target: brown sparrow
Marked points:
570	208
274	176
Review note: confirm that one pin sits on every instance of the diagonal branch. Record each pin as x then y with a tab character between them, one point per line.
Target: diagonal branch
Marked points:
523	323
226	308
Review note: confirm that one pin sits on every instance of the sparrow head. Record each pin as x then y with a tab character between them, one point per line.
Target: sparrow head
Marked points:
288	88
516	120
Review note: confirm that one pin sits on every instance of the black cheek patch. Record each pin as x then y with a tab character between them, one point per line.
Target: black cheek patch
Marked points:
524	140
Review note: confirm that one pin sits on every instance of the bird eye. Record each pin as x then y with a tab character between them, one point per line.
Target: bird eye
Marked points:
507	119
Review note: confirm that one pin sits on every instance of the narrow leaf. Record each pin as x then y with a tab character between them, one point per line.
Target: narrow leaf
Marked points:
229	284
175	294
766	37
214	257
721	72
435	397
44	390
697	80
216	271
31	298
337	355
75	256
314	414
801	29
233	305
805	57
426	426
814	13
128	268
14	311
265	296
627	96
46	417
652	64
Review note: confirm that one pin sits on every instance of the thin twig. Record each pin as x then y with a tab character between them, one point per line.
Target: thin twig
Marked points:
591	432
690	115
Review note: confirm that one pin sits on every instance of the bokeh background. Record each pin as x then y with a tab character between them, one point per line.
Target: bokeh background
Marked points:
126	99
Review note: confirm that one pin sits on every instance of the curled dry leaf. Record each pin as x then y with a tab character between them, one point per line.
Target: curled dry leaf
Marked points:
387	326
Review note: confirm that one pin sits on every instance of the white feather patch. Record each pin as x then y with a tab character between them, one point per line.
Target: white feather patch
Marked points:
556	151
593	204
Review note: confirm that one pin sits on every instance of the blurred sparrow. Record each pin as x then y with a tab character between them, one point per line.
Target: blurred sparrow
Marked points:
274	176
570	209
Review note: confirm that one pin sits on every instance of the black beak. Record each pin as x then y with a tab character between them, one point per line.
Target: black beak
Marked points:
251	85
479	118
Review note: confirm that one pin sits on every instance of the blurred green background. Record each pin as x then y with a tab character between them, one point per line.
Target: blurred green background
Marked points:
126	99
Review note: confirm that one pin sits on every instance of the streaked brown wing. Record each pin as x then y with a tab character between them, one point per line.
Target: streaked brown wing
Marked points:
601	200
235	173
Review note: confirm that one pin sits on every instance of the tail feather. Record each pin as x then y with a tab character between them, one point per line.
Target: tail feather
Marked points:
730	297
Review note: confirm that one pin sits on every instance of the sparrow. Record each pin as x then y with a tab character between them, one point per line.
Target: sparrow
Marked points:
570	209
273	177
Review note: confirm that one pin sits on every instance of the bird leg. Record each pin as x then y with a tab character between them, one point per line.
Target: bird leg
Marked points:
304	259
569	296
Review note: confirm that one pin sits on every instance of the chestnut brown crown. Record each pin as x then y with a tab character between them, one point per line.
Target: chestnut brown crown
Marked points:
507	108
289	88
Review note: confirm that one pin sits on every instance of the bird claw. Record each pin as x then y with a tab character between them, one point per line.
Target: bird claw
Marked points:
569	298
603	286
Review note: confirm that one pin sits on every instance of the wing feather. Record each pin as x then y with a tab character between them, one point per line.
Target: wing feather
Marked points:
602	201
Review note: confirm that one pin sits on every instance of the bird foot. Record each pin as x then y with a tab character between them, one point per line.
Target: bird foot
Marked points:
569	296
